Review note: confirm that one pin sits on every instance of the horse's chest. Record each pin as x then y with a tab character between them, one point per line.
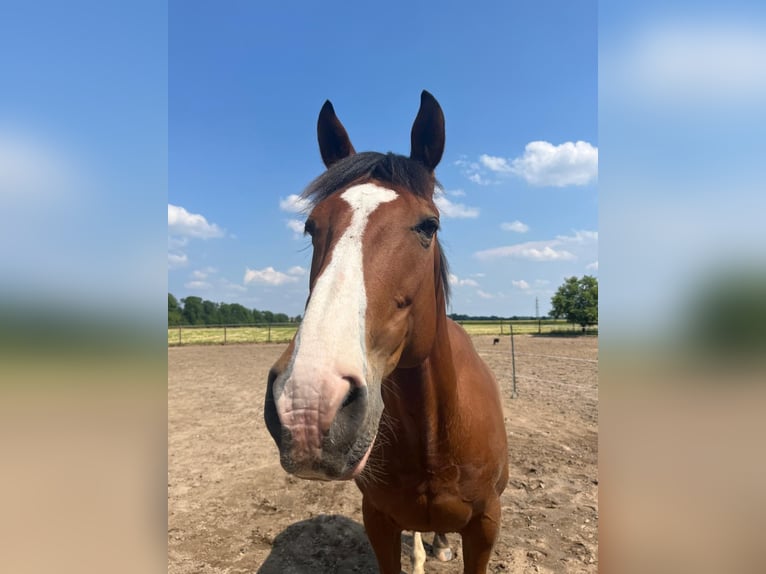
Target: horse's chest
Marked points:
423	504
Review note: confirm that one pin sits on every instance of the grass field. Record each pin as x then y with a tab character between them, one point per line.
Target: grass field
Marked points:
188	335
282	333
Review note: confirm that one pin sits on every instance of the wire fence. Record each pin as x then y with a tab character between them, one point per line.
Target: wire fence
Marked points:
227	334
283	332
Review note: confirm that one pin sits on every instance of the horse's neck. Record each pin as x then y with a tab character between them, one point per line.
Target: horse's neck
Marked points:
426	396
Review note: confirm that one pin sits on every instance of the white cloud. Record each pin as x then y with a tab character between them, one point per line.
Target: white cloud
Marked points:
472	170
582	242
177	242
542	164
478	179
202	274
592	266
686	64
222	286
580	237
455	210
497	164
532	250
484	294
297	271
297	226
456	192
183	223
232	287
458	282
516	226
198	285
268	276
176	260
521	284
32	168
545	164
294	204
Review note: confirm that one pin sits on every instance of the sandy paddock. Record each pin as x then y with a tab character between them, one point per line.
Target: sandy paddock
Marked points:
231	508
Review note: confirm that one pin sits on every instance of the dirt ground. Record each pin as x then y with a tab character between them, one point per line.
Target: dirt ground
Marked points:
232	509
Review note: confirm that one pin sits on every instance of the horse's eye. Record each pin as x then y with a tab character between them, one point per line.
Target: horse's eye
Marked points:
310	227
428	227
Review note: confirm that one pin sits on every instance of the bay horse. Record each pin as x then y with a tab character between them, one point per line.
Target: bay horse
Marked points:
379	385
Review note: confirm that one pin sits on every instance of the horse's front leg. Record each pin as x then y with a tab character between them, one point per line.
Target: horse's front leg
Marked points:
479	538
385	538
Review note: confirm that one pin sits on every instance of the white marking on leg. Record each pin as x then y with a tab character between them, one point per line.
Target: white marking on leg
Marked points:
418	554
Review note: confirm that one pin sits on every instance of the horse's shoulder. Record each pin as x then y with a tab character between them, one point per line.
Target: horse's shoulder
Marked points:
467	359
459	339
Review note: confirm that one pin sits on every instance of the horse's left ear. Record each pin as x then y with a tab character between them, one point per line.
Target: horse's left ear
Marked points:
334	143
427	137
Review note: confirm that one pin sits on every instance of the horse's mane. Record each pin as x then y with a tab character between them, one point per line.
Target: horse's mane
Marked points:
389	168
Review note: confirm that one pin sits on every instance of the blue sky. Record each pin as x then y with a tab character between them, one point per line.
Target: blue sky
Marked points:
681	120
83	155
518	85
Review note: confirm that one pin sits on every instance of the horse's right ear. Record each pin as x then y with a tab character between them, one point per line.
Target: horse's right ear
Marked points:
427	134
334	143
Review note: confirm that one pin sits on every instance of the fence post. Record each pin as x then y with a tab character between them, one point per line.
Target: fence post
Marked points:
501	326
179	335
224	334
269	332
513	365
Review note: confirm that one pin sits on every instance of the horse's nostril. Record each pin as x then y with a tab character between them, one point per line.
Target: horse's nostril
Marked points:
351	396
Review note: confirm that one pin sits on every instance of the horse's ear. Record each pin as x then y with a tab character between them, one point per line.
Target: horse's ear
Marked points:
427	135
334	143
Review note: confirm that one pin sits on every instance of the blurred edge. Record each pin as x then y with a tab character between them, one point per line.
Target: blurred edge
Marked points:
683	335
83	362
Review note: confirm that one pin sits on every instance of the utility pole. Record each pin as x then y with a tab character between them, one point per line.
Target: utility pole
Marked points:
537	316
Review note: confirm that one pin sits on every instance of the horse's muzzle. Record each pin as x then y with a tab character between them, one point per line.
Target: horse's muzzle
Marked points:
326	438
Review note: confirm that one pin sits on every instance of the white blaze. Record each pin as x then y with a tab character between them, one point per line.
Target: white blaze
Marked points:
331	338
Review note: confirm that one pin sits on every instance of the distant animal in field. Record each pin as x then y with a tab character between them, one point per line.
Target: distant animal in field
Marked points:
379	385
495	341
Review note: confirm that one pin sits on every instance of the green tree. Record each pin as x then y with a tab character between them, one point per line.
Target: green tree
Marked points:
726	316
268	316
239	314
192	313
577	301
174	311
225	314
281	318
210	314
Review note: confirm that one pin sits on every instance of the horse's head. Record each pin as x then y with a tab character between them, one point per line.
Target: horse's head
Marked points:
378	279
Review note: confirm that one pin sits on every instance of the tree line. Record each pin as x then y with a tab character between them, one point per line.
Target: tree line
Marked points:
462	317
576	300
197	311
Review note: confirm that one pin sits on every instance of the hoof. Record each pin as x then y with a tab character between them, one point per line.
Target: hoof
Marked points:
443	554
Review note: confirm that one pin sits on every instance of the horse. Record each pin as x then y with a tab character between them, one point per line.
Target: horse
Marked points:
378	385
